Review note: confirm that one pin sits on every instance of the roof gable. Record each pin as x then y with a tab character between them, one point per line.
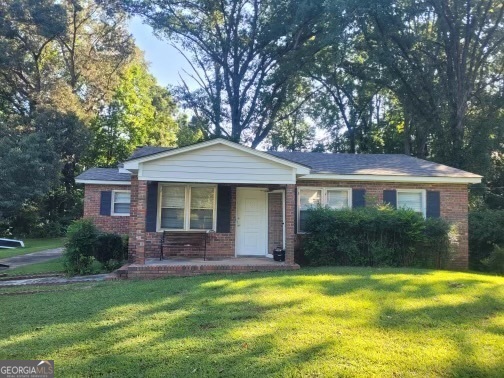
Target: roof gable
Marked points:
218	163
133	162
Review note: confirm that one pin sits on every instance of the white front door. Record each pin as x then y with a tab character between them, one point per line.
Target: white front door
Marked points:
251	222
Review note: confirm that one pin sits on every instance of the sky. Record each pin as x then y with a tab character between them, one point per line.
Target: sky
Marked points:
165	62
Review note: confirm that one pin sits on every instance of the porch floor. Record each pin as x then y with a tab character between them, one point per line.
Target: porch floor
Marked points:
154	268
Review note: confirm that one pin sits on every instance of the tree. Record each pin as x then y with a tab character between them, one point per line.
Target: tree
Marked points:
293	130
27	30
29	168
243	53
94	51
140	113
59	64
437	57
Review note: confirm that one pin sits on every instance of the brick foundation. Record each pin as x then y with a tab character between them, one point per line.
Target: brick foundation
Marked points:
140	271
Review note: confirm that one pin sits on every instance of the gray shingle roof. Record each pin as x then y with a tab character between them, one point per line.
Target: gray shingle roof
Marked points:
104	174
339	164
146	151
371	164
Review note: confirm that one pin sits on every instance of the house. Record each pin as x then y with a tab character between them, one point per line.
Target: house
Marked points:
245	202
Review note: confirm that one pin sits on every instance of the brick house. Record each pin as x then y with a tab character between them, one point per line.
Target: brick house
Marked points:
247	202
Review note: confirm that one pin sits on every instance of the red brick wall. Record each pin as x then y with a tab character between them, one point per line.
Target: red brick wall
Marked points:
117	224
454	207
219	245
137	233
275	220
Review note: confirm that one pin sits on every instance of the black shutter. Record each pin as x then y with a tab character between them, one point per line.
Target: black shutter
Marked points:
390	197
151	213
105	202
433	204
358	198
295	211
223	209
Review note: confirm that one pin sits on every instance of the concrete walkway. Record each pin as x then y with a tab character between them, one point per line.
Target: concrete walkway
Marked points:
32	258
53	280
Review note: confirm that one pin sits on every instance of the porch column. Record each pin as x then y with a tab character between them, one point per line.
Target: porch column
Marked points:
138	212
290	211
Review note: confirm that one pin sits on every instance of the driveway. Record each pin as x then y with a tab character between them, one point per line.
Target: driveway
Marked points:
32	258
53	280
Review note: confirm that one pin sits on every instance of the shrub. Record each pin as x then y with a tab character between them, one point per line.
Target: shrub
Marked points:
374	236
486	229
495	262
109	250
434	251
79	248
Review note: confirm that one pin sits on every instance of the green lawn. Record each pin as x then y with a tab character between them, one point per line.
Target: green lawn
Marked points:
53	266
32	245
315	322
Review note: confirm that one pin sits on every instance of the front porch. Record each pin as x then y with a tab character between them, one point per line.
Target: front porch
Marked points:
219	200
180	267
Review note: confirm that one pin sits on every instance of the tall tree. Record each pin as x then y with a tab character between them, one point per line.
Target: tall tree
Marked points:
243	53
140	113
59	64
436	56
27	30
293	130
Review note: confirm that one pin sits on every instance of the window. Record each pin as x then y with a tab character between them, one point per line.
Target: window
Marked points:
186	208
334	198
411	199
172	207
121	200
308	198
337	199
202	204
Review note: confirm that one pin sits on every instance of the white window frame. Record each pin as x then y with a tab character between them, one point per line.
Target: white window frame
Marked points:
423	192
112	212
323	199
187	207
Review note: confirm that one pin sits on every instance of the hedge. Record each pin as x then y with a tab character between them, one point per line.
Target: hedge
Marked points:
375	236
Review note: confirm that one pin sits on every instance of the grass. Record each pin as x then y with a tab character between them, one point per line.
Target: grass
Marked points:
52	266
315	322
32	245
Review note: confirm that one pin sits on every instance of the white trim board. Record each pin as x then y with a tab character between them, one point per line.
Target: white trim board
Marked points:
392	178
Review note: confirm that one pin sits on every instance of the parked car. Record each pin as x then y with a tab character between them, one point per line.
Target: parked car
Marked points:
11	243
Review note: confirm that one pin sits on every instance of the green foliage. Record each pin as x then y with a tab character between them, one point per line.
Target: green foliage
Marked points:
375	236
29	168
140	113
85	244
80	247
110	250
59	65
495	262
486	229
